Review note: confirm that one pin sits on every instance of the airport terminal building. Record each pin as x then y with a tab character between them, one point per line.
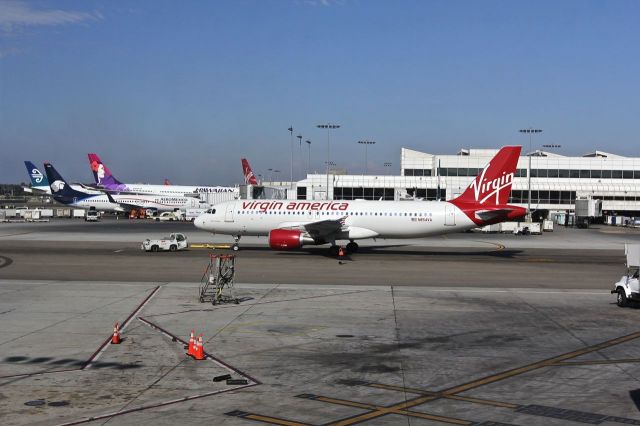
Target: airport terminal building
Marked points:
556	180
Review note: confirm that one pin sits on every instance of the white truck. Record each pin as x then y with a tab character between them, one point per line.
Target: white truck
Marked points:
92	216
173	242
627	288
168	216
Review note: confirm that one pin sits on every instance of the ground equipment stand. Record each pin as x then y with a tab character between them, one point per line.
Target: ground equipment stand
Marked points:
216	285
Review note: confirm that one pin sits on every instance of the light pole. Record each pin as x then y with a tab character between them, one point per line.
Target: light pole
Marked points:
309	160
387	166
291	132
366	144
328	126
530	131
270	175
300	151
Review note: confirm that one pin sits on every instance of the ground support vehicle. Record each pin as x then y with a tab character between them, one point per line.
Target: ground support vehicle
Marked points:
92	216
168	216
627	288
173	242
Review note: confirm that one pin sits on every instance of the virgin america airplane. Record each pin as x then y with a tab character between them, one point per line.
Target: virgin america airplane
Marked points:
290	224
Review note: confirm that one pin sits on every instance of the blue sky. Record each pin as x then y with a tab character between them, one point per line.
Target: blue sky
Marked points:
182	90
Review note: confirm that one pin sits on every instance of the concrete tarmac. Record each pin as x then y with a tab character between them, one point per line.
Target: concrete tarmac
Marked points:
110	251
467	329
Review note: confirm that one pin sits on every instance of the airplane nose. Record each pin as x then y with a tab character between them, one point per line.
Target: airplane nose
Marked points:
199	222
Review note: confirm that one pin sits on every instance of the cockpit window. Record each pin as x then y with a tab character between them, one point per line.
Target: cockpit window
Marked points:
211	211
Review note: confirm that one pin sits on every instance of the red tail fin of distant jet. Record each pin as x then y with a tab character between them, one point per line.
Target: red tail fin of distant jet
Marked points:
249	177
166	182
485	199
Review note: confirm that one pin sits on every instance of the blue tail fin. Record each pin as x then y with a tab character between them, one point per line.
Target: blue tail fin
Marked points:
37	178
60	189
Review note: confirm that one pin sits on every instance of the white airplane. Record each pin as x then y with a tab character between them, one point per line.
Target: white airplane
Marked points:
99	200
104	179
290	224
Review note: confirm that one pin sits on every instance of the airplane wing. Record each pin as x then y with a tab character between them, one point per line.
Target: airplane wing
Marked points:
320	229
125	206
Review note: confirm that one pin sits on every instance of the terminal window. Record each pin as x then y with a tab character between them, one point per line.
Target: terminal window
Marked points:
430	194
417	172
302	193
360	193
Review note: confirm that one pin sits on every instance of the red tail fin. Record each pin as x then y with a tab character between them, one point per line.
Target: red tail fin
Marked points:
493	185
166	182
249	177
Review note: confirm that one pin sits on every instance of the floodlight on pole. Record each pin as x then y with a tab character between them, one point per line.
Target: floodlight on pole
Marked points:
366	162
309	159
291	133
530	131
329	127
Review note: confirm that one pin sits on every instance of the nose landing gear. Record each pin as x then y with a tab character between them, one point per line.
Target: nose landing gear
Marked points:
236	245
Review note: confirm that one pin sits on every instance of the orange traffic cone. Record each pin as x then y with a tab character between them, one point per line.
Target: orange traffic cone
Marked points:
192	344
340	252
115	339
199	352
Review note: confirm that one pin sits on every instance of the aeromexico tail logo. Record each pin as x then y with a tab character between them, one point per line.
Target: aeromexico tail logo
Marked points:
36	175
483	189
57	186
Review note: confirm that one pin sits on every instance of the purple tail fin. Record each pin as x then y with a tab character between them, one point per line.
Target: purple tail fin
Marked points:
103	176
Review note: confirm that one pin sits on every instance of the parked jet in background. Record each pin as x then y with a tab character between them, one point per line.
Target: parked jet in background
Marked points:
290	224
249	177
99	200
39	181
104	179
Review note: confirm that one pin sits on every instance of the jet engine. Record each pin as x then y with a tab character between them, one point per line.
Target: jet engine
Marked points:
288	239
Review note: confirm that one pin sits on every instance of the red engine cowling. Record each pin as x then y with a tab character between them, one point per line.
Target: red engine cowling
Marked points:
286	239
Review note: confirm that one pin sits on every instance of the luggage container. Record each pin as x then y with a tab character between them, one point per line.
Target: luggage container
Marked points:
508	226
491	228
78	213
63	212
535	228
46	213
547	226
31	215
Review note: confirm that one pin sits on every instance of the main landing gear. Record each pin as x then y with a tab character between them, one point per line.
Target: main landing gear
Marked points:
236	246
352	247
